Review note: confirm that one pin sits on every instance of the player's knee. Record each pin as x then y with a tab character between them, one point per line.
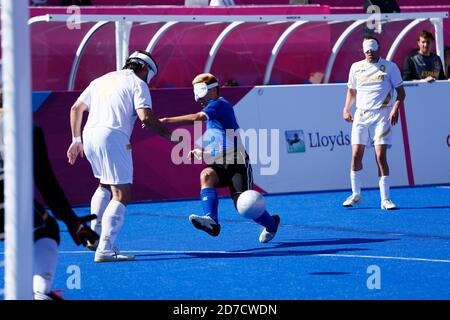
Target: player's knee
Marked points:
49	230
357	155
121	194
356	163
208	177
381	158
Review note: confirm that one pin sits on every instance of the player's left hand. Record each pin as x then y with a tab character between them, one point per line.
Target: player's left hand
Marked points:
81	233
162	120
75	149
347	115
195	153
393	117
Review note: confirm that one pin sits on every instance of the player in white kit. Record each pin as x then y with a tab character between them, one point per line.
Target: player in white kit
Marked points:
113	101
373	82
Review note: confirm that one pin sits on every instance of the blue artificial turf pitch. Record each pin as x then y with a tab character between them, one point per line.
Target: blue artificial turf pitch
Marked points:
322	251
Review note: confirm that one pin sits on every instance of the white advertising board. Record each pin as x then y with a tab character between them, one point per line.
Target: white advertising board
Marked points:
314	150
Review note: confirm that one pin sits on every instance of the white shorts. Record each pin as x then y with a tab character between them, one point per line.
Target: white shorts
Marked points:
109	153
372	127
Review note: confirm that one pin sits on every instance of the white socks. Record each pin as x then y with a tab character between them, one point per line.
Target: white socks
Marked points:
112	222
45	259
355	179
384	187
99	202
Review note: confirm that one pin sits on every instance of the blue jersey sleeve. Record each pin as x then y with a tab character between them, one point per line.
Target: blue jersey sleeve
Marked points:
211	111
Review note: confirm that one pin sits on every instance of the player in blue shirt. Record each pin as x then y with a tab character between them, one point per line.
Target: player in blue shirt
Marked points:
230	166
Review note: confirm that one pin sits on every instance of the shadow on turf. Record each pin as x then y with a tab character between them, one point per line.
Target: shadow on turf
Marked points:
276	250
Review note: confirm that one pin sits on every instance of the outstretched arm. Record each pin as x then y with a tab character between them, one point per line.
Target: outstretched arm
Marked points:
185	119
151	122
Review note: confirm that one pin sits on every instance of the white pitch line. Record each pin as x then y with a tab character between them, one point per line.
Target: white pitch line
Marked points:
246	252
382	257
159	251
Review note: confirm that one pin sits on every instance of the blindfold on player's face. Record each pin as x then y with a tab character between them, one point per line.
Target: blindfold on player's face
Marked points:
201	89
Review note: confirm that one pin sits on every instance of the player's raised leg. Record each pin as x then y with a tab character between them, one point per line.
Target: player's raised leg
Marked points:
265	219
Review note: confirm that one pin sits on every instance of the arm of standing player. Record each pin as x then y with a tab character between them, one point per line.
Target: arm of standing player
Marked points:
401	94
151	123
185	119
76	116
351	95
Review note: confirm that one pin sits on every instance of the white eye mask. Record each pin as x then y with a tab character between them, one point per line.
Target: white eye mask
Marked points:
370	44
148	62
201	89
150	75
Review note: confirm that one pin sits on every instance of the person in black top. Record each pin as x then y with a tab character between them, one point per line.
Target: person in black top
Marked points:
46	229
424	65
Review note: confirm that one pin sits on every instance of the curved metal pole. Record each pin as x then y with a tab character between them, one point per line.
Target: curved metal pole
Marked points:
337	46
80	51
37	19
216	45
400	37
277	47
159	34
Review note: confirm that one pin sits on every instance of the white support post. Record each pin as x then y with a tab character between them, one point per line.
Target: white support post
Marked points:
123	30
439	37
18	150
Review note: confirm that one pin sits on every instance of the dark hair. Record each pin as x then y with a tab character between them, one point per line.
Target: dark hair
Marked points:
426	35
133	65
136	66
372	38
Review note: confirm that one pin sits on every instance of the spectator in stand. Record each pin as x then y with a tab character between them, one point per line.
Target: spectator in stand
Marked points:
424	65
